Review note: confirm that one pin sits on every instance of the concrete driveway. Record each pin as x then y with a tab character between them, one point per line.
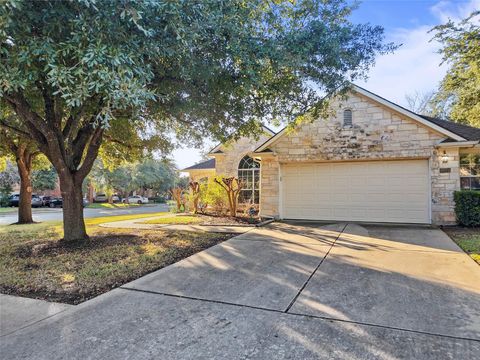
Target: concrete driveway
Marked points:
286	291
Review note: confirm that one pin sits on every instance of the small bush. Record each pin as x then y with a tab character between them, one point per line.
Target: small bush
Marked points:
5	195
157	200
213	196
174	209
467	207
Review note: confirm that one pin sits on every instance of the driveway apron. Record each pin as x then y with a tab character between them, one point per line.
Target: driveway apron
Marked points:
284	291
403	277
264	268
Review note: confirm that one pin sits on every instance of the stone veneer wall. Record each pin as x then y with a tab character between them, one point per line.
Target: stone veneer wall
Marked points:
377	133
227	162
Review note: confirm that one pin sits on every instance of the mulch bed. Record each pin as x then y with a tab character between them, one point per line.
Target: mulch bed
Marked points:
460	230
212	219
72	273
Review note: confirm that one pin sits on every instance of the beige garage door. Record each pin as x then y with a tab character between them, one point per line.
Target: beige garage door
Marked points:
377	191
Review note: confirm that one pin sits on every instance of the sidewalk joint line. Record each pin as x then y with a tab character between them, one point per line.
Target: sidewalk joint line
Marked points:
315	270
34	323
184	297
201	299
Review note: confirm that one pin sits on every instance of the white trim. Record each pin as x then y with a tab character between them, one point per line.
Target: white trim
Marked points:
280	192
274	138
430	197
459	144
385	103
259	186
216	148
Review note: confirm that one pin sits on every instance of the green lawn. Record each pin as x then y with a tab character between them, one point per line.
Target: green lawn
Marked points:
6	210
36	264
104	219
468	239
177	220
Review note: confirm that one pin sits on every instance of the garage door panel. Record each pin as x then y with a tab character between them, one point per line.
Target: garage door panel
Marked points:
321	213
383	191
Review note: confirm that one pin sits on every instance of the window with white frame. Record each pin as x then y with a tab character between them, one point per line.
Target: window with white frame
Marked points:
470	171
249	174
347	118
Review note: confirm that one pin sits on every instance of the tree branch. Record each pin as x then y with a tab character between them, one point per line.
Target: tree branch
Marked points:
45	137
15	129
9	144
49	105
68	126
120	142
23	108
91	155
78	145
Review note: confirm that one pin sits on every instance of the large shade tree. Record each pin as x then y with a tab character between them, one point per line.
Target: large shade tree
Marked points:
157	175
17	145
459	94
8	178
147	174
72	69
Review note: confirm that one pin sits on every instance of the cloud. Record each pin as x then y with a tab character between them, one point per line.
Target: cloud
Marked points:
445	10
412	67
415	66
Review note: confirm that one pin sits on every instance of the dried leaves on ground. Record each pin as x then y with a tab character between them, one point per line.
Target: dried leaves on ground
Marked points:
35	263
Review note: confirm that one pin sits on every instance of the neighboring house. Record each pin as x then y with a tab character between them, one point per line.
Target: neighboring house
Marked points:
371	161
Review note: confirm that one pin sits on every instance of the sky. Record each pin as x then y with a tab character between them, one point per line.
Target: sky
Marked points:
414	67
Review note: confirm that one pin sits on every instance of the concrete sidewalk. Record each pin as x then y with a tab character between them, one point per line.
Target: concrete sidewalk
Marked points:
19	312
284	291
140	224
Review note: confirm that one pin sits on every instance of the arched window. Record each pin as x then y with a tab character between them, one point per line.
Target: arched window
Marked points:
249	174
347	118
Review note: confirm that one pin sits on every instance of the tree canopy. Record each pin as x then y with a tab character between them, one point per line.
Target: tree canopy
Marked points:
157	175
8	178
74	71
44	179
460	88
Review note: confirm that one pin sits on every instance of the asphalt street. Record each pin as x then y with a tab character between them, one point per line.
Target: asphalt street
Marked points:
47	214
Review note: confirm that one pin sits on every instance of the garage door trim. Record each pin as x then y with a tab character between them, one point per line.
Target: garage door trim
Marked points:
428	208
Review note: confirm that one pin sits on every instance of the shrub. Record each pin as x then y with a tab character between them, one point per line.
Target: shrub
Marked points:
232	187
467	207
213	196
173	208
5	195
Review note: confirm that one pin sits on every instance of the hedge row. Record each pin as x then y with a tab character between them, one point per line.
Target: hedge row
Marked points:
467	207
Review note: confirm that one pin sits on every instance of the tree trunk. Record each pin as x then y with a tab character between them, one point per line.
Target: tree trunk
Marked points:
73	222
24	164
71	143
90	193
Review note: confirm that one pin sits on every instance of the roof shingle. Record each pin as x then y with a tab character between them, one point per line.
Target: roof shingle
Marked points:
208	164
468	132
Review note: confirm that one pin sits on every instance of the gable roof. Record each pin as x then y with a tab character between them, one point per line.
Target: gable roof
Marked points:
204	165
468	132
407	113
437	124
217	150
